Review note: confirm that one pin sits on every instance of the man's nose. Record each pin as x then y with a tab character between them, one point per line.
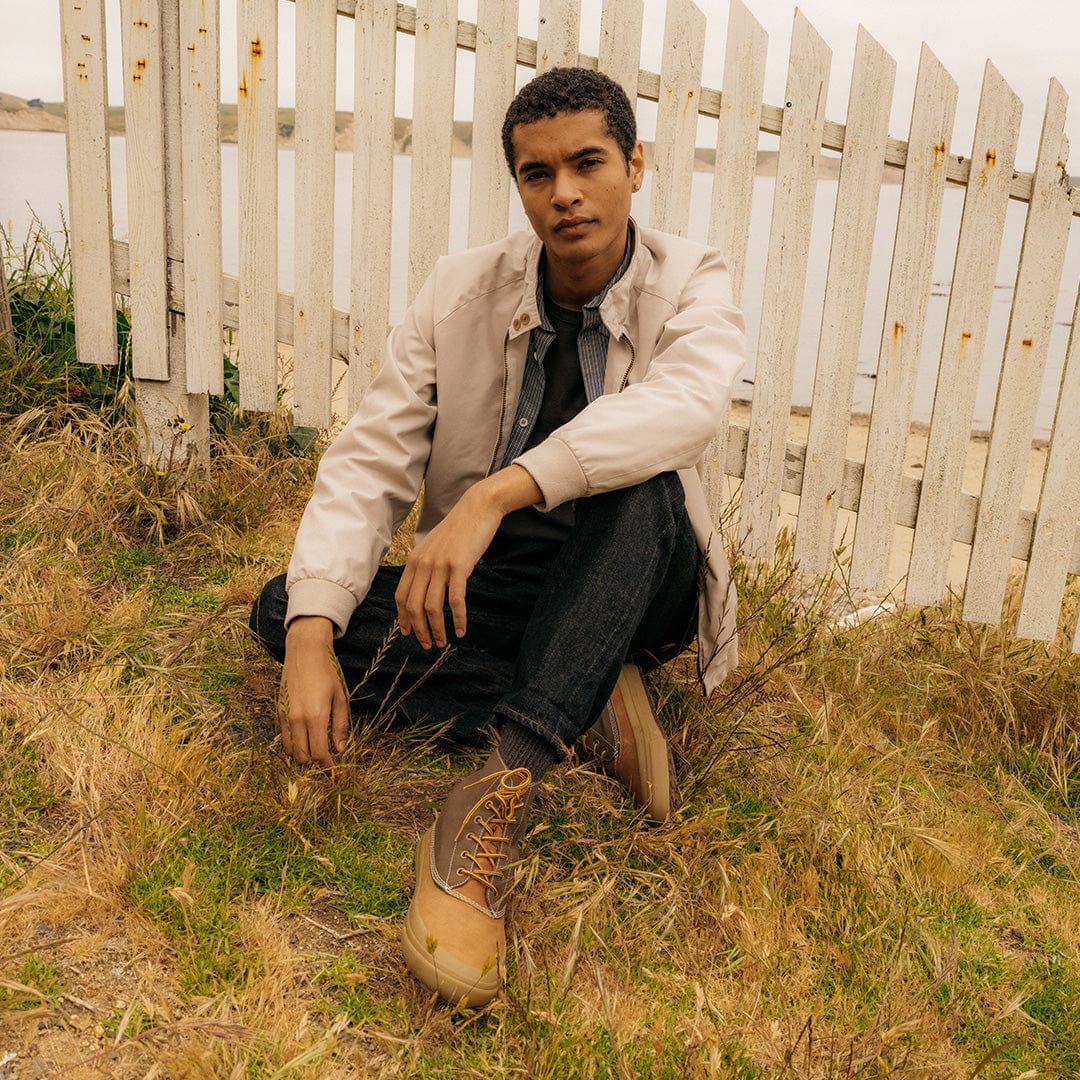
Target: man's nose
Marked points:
566	191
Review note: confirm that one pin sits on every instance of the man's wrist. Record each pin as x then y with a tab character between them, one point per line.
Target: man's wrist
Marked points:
310	628
507	490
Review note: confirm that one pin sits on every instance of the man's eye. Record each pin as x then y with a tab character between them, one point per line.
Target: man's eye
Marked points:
530	177
587	163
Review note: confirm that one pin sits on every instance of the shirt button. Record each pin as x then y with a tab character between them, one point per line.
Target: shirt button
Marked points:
524	320
523	422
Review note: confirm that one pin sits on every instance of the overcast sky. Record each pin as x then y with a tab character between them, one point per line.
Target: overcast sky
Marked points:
1028	42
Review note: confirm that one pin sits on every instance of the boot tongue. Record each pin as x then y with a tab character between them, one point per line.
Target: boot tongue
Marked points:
477	834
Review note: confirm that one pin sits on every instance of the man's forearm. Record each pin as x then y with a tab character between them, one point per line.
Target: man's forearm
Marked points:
505	491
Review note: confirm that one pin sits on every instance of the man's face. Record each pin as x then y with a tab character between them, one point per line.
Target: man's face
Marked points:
575	185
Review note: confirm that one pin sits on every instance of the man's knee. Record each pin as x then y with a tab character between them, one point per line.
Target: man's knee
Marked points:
267	619
659	499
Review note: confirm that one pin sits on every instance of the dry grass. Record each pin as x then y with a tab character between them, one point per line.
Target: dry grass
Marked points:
875	873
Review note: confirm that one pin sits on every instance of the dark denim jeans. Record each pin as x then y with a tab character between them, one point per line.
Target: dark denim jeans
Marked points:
548	631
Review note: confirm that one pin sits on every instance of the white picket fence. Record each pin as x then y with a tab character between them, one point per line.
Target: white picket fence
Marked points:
170	269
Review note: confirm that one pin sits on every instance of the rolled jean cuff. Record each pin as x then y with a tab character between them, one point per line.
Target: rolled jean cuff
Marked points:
528	720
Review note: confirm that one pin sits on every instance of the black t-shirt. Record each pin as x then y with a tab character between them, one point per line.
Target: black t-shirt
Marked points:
564	398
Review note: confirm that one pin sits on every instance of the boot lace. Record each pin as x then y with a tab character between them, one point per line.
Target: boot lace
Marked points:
496	833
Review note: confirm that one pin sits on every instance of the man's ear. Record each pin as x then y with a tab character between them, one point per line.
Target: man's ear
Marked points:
636	165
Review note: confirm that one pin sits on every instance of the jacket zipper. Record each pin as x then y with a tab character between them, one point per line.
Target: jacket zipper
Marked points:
502	411
633	357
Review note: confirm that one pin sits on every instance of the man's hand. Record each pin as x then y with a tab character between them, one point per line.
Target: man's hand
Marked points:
439	566
313	698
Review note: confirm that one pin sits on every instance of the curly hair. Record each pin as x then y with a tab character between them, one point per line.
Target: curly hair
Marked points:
571	90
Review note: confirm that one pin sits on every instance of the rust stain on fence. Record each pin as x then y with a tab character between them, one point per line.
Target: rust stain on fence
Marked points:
991	158
241	89
1026	343
140	67
940	151
256	49
897	331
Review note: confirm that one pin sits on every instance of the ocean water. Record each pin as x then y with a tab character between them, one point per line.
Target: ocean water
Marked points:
33	184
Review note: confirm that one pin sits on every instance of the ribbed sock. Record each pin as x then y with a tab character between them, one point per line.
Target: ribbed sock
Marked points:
521	748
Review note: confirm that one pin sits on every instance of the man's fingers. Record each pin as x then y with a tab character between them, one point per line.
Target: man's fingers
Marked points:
401	598
283	723
339	719
410	596
433	608
318	740
299	740
457	602
413	598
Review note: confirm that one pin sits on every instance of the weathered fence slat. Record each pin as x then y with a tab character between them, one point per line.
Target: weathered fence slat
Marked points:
372	193
144	125
89	182
733	186
256	115
677	116
785	282
857	197
981	229
433	130
737	140
620	43
200	93
557	34
496	68
316	49
905	320
161	404
1037	281
1059	508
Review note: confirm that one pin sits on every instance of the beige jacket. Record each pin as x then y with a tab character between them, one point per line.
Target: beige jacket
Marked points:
439	410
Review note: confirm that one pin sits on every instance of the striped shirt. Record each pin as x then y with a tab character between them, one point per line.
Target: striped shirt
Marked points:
592	354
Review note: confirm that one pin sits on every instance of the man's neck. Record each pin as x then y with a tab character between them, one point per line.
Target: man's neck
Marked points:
574	285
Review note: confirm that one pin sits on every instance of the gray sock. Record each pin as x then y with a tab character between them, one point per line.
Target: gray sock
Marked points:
521	748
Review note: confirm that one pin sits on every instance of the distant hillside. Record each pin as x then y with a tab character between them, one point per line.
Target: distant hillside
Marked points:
18	114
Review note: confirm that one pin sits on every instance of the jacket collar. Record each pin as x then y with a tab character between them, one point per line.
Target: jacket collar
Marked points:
615	308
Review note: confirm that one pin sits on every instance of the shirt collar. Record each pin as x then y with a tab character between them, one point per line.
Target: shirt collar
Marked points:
598	299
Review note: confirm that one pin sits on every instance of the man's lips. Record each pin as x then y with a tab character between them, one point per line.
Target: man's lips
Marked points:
572	224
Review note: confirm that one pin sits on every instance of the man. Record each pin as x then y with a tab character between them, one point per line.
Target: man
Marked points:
545	389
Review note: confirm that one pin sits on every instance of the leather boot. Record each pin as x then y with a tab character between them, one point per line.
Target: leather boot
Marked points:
454	937
628	744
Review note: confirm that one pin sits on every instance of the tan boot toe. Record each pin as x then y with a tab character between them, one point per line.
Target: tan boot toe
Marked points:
450	946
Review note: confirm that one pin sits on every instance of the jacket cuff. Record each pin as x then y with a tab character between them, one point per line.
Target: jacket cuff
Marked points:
557	472
316	596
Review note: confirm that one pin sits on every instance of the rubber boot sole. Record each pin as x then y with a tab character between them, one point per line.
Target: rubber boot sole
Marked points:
656	766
